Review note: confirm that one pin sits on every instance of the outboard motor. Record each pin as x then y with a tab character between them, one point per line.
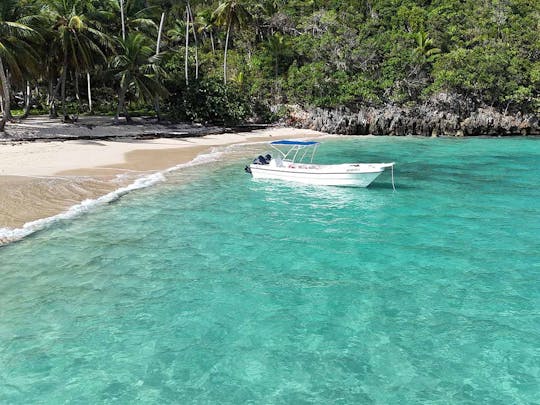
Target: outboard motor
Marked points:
247	169
260	160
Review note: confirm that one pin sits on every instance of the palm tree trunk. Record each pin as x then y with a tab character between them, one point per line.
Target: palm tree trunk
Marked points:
121	99
64	77
50	99
7	106
123	20
53	94
195	39
6	86
27	101
225	54
160	30
77	95
25	98
89	91
187	44
6	96
158	44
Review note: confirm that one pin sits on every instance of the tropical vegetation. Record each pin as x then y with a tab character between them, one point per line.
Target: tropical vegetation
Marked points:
230	60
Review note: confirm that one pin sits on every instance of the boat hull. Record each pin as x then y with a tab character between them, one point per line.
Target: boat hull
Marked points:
348	175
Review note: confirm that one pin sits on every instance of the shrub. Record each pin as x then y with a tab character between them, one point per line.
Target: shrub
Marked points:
208	100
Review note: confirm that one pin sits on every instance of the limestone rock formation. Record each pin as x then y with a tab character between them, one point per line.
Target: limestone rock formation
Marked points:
424	120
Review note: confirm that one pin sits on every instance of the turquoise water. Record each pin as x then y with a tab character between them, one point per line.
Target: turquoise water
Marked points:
223	289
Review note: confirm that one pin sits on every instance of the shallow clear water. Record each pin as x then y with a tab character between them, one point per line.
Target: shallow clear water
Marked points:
228	290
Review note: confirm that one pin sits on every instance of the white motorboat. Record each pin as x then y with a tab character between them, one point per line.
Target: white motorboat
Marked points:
291	165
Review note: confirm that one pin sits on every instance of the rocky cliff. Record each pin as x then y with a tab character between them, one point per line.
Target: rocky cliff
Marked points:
426	120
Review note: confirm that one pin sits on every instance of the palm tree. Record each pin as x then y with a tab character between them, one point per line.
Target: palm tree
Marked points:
17	56
230	13
160	9
136	67
135	15
177	34
190	23
164	5
276	45
425	50
206	24
194	31
77	44
180	32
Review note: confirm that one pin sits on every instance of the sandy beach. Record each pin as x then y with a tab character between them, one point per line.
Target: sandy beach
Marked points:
42	178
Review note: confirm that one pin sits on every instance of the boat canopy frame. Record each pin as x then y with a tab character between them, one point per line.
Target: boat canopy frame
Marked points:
295	150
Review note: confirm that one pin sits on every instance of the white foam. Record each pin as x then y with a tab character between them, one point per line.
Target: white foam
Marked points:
8	235
214	155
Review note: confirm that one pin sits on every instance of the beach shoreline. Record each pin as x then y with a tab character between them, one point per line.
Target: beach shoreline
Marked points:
43	179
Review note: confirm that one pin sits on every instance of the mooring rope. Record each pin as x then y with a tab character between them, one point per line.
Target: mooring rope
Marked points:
393	185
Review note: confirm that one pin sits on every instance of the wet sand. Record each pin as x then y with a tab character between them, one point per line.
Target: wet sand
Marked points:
42	179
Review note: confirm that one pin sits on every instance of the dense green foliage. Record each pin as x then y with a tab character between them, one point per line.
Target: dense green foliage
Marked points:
225	60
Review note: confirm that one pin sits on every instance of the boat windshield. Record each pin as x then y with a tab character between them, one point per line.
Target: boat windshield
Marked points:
298	149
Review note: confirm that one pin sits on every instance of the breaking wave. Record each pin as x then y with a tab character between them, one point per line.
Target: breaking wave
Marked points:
8	235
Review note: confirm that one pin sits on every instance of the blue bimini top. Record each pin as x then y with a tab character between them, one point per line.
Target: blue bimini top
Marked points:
299	143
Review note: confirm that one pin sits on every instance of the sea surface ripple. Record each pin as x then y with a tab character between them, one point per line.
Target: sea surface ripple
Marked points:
211	287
